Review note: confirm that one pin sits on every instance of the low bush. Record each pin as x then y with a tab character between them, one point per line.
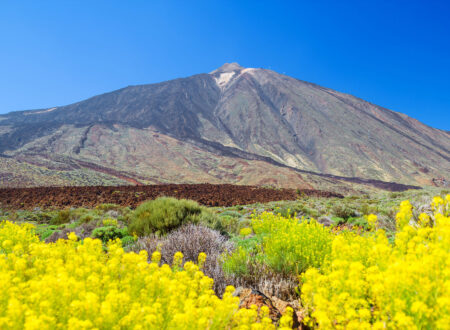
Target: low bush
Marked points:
125	214
108	233
229	226
191	240
342	211
240	262
393	195
88	217
37	216
309	212
338	221
209	219
128	241
163	215
245	267
360	222
62	217
44	231
364	208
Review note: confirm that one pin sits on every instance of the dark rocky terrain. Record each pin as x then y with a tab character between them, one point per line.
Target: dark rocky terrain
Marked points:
206	194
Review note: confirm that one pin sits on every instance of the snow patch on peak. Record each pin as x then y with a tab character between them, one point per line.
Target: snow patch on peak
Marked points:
224	78
248	70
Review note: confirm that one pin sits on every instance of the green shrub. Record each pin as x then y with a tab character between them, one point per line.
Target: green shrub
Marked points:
229	225
238	263
88	217
342	211
313	213
63	216
393	195
164	214
39	217
126	214
128	240
68	215
390	212
246	257
364	208
359	222
338	221
71	225
44	231
47	233
209	219
109	233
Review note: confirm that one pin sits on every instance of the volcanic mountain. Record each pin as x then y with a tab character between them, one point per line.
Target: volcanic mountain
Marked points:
232	125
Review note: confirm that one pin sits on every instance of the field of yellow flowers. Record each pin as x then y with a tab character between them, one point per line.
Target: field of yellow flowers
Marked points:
368	283
73	284
347	279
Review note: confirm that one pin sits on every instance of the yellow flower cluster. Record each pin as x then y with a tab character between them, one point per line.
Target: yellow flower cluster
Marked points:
440	205
369	283
74	284
258	320
244	232
372	220
404	216
291	245
110	222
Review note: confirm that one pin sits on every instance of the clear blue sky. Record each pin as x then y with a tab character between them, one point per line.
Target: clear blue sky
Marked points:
393	53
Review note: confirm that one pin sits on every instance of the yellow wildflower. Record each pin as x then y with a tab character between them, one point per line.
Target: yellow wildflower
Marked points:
244	232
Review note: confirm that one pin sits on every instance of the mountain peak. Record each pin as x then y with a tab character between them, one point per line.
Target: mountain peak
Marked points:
228	67
236	125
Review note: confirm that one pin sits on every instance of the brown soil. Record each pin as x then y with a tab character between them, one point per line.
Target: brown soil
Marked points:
206	194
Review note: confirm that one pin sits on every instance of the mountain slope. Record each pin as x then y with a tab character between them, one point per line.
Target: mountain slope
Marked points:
200	128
